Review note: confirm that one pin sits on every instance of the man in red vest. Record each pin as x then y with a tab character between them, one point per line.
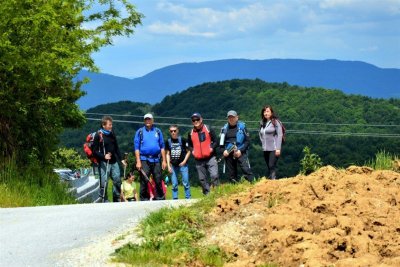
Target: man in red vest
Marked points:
202	142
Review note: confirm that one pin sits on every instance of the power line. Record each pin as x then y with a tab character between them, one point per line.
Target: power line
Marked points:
381	135
285	122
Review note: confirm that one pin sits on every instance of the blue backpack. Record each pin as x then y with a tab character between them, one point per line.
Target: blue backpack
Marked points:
240	135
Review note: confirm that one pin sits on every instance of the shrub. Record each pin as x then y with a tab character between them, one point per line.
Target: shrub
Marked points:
310	162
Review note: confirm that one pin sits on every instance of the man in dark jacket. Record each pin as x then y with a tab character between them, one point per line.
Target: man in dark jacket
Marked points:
106	150
202	142
235	141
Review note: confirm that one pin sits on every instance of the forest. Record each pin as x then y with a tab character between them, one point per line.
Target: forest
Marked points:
342	129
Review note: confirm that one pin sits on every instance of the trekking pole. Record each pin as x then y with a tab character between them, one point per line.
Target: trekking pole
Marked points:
105	181
231	148
126	161
145	175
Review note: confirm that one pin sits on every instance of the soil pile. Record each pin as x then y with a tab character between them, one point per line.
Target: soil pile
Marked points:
330	218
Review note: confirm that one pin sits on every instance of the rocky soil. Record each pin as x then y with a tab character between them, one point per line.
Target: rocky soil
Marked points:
330	218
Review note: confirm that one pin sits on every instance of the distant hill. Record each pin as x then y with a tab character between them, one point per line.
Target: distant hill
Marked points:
352	77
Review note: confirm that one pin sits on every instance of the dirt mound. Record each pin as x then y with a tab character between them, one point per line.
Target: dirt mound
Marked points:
343	217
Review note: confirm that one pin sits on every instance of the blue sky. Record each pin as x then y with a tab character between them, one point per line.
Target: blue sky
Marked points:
174	32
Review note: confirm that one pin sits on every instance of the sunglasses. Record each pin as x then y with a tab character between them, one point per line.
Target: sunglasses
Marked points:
194	120
173	131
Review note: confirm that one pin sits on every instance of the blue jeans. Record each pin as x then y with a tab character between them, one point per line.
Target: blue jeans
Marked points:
113	171
184	170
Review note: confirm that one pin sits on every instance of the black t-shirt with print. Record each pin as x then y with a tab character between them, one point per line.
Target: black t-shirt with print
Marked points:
177	152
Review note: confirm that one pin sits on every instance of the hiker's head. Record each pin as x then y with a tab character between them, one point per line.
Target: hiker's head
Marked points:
232	117
106	123
197	120
130	176
148	120
174	131
267	113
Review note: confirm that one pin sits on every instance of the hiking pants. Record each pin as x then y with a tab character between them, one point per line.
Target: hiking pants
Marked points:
151	168
271	159
184	170
210	165
105	172
232	165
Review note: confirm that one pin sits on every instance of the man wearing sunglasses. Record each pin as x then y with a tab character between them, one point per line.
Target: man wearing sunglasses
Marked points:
149	152
202	142
177	156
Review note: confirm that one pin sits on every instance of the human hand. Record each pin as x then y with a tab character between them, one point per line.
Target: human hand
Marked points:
183	163
226	153
124	163
163	165
237	154
107	156
138	165
277	152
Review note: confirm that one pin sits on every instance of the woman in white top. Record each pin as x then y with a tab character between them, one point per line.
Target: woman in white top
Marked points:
271	139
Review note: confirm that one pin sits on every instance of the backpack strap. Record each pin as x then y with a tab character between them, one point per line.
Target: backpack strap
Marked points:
170	141
180	140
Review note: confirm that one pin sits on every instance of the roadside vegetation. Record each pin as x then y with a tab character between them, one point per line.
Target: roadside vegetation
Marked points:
170	235
40	86
31	186
383	161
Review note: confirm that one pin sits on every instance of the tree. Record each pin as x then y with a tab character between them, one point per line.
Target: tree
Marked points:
43	46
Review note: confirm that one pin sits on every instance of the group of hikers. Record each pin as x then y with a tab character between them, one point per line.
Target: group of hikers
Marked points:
153	155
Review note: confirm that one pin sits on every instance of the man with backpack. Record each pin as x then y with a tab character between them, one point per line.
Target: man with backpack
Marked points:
236	140
150	157
106	150
177	156
202	142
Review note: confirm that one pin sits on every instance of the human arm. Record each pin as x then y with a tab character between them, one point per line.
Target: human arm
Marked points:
118	152
122	196
164	159
189	143
214	140
98	148
246	143
278	138
184	161
162	147
136	143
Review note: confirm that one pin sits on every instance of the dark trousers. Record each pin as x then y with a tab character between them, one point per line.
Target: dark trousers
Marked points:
151	168
271	159
232	166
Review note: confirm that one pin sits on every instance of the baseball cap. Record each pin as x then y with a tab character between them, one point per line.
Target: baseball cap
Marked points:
148	116
231	113
195	115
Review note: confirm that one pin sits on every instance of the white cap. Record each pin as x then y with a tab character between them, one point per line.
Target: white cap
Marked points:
148	116
231	113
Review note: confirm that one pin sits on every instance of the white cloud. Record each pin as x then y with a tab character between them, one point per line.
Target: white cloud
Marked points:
177	29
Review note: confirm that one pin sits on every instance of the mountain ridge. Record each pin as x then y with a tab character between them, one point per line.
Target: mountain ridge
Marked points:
351	77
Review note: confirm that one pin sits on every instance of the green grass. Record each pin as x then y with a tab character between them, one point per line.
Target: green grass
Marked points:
383	161
170	235
31	186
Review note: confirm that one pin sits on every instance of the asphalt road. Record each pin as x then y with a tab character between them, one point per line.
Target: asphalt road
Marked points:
37	236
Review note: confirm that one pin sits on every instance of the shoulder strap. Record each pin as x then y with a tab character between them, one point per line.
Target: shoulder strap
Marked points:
180	140
169	142
241	126
225	128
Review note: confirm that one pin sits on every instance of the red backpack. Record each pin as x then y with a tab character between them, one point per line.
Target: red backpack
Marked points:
88	146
